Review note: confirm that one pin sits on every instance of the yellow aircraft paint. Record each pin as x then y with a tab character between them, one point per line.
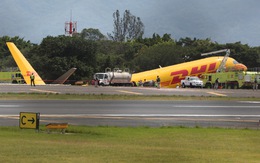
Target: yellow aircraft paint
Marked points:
171	76
24	66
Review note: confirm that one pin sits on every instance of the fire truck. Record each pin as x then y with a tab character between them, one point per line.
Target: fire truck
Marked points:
231	79
228	78
11	75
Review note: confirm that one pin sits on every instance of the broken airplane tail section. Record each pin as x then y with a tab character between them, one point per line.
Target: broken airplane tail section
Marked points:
24	66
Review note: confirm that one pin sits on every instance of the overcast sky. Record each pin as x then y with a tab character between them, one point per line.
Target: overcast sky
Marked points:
223	21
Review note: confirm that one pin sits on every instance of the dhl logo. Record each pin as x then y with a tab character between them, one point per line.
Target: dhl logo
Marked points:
179	75
29	73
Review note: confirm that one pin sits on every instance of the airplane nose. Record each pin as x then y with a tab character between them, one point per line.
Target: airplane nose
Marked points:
240	67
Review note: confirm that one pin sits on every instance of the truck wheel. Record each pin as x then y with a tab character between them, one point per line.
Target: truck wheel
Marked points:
228	86
183	85
14	82
236	86
208	85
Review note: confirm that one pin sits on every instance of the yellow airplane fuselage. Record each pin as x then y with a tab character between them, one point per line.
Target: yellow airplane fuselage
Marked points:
171	76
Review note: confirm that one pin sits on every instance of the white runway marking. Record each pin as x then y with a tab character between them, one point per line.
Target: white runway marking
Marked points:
138	115
145	116
251	102
218	94
9	106
136	93
38	90
212	106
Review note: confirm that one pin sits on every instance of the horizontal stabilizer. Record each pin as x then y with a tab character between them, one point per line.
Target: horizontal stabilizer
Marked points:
64	77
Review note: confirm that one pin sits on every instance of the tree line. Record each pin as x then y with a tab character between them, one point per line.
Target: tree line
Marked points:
90	51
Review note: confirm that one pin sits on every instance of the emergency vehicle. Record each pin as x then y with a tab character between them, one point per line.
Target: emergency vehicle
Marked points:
11	75
231	79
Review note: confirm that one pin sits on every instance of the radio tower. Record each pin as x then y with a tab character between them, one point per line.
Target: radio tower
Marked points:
70	27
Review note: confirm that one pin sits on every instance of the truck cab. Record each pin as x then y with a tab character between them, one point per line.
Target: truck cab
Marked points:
103	78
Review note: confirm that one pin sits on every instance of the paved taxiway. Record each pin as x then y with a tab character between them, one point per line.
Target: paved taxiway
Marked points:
245	114
68	89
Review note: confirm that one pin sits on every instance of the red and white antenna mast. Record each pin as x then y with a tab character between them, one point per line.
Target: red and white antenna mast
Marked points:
70	26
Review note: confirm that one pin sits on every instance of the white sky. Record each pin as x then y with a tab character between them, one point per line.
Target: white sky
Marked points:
223	21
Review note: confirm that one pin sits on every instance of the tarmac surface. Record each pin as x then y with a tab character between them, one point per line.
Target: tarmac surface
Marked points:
68	89
228	113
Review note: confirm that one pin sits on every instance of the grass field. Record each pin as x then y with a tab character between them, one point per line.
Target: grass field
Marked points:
142	144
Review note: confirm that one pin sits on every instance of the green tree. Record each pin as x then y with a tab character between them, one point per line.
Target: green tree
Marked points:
127	28
156	39
92	34
162	54
185	41
56	55
244	54
7	60
167	37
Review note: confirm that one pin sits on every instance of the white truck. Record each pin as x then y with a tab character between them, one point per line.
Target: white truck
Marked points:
191	81
116	77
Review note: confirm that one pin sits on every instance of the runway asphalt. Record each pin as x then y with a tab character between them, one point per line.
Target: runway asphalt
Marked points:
231	114
68	89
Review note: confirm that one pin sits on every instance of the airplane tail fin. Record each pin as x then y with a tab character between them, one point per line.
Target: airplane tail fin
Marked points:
24	66
64	77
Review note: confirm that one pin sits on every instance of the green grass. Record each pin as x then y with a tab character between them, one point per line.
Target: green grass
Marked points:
141	144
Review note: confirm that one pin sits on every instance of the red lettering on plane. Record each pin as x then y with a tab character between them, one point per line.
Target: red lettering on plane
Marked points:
195	71
212	67
178	76
28	73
